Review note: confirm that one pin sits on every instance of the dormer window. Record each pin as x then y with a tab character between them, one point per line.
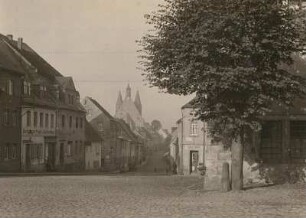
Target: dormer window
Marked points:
70	99
26	88
43	90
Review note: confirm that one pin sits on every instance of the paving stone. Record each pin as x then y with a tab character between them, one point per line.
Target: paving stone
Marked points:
141	196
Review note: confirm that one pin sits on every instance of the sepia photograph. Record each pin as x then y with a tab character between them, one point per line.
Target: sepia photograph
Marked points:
153	108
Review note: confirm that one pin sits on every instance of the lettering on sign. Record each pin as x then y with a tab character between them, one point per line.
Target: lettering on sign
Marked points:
38	132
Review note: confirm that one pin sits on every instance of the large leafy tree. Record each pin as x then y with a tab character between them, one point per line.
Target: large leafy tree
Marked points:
229	53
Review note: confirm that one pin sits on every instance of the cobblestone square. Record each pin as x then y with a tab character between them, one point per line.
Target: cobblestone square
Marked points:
141	196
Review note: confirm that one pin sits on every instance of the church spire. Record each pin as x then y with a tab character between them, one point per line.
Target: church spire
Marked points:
137	102
128	91
119	101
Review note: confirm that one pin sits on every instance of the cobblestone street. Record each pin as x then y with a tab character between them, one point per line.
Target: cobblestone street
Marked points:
141	196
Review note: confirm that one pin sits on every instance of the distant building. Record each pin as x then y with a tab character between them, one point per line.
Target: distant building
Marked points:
121	147
93	148
128	110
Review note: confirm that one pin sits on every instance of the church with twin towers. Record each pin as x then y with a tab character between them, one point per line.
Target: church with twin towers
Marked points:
130	110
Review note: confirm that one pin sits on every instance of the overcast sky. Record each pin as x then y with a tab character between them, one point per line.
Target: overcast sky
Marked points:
94	42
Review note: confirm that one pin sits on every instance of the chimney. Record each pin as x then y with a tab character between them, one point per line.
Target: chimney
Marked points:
19	43
9	37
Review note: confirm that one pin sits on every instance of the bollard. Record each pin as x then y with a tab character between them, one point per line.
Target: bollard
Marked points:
225	180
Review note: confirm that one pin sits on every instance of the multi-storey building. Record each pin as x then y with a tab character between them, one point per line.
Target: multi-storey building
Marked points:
52	132
11	73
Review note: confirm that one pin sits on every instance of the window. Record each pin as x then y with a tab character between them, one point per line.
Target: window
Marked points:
14	118
68	150
28	118
76	122
36	151
10	87
70	122
193	128
63	121
41	120
81	123
26	88
43	90
35	119
76	147
52	120
47	120
6	152
271	141
80	147
6	118
14	151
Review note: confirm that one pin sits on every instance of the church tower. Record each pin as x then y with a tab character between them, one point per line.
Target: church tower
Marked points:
128	94
137	102
119	102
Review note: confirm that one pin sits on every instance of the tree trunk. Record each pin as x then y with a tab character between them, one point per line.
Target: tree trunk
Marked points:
237	165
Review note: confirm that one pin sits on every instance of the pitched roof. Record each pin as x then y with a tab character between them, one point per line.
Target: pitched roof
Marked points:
91	134
100	107
8	59
42	66
66	82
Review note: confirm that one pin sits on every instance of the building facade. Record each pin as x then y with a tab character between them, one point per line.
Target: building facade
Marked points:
276	153
11	73
93	149
46	97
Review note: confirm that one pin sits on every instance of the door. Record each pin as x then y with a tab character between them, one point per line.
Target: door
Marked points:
28	156
62	150
51	156
194	161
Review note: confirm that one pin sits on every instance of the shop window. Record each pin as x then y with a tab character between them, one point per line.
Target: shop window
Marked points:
76	147
271	141
6	151
36	151
68	150
6	118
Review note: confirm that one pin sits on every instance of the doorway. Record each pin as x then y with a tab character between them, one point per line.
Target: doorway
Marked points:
28	156
194	161
62	150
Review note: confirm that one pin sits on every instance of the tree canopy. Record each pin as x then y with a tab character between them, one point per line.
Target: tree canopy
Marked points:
227	52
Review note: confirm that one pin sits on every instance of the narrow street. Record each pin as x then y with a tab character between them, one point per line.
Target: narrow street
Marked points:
155	164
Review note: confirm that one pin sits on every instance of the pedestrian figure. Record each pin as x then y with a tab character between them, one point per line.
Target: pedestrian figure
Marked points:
155	170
